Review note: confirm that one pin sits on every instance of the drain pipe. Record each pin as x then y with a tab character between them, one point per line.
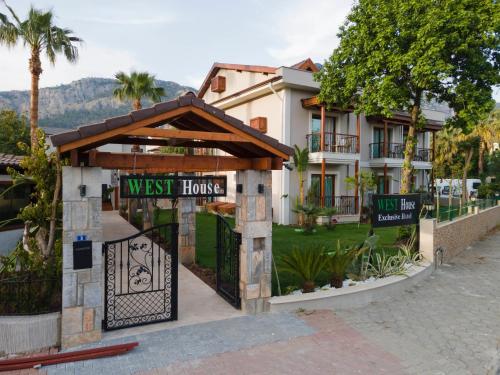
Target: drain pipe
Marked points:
274	91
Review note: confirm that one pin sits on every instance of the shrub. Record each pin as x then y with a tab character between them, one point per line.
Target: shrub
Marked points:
330	212
306	263
338	262
384	265
310	215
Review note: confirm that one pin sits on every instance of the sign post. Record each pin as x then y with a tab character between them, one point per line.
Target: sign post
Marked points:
395	210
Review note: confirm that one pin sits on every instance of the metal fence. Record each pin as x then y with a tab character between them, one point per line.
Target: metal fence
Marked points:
30	296
449	213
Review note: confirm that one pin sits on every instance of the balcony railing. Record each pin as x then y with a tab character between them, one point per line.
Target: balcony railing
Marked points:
396	151
334	142
345	204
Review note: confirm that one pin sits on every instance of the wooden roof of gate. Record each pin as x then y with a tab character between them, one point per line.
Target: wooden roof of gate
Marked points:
193	123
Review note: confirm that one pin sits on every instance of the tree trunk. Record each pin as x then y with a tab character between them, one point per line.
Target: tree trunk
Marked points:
407	172
35	67
301	188
468	158
480	161
53	213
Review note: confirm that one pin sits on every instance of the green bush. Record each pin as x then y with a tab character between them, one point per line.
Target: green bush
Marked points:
305	263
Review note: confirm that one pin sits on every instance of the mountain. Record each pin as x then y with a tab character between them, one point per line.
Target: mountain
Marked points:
85	101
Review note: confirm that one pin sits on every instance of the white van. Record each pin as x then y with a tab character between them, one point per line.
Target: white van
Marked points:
443	187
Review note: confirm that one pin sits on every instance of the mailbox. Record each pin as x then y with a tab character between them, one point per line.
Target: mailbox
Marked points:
82	255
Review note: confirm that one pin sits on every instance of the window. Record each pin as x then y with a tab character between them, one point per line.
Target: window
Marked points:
316	132
329	189
381	185
13	200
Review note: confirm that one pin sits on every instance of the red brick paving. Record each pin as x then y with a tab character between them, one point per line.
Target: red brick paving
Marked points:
335	348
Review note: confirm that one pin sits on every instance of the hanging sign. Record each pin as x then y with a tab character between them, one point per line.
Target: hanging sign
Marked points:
395	210
157	186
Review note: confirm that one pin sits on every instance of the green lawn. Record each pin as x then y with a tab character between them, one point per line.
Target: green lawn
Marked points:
285	238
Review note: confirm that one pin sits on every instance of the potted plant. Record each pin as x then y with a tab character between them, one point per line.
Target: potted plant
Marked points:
306	264
339	261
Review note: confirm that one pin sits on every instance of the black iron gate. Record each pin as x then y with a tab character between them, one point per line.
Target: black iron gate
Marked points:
141	278
228	262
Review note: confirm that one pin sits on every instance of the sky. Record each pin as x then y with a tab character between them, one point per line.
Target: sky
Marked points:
179	40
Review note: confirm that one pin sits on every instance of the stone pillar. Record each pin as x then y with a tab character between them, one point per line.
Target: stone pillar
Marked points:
426	239
254	222
186	213
82	289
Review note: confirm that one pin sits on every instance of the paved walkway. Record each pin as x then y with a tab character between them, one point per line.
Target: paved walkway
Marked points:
449	324
198	303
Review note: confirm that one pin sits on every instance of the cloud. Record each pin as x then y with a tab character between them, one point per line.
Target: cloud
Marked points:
309	30
94	61
132	21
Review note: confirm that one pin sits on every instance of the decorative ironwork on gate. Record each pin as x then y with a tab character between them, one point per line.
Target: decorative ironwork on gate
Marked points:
141	278
228	262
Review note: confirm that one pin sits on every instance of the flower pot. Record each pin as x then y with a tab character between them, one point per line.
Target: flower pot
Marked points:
308	287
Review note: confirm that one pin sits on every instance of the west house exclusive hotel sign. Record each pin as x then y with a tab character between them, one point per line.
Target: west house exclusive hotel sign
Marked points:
395	210
162	186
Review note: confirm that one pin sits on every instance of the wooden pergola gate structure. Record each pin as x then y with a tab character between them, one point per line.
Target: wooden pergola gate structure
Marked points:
184	122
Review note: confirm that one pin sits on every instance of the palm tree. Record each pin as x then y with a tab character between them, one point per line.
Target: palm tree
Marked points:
488	132
40	35
446	149
134	87
301	161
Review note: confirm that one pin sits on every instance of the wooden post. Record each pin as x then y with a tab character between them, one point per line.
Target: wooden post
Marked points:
386	134
358	133
322	129
323	169
356	186
386	184
432	160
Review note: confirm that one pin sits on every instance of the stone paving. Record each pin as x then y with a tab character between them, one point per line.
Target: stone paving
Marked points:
448	324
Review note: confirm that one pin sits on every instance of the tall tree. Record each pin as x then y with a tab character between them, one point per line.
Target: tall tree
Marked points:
395	54
134	87
301	161
40	35
488	132
13	129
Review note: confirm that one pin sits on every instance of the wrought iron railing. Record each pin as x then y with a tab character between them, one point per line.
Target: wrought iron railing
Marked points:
30	296
345	204
334	142
396	151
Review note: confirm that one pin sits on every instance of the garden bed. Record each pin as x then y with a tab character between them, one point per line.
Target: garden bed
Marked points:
355	296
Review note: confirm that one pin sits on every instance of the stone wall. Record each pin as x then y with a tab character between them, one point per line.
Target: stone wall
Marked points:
186	213
455	236
254	222
82	289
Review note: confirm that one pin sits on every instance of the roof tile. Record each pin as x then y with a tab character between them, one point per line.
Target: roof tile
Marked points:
142	113
63	138
116	122
166	106
93	129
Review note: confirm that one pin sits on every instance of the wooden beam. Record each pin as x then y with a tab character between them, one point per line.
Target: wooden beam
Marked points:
322	129
160	163
386	134
186	134
356	185
386	183
163	117
358	132
322	189
226	126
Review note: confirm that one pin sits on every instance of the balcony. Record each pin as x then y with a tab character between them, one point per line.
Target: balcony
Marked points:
334	142
345	204
396	151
